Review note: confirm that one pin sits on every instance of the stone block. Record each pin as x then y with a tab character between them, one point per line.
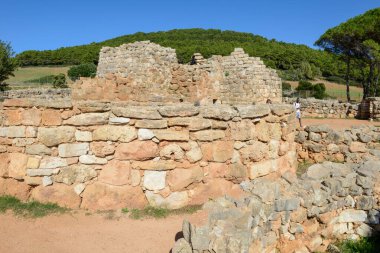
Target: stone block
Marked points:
136	150
115	133
83	136
145	134
72	150
117	173
37	149
17	165
51	118
137	112
154	180
102	149
77	173
180	110
88	119
55	136
179	179
208	135
91	159
171	135
60	194
151	124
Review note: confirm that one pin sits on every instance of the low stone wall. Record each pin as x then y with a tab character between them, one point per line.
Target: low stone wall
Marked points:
319	143
318	108
111	155
49	94
331	201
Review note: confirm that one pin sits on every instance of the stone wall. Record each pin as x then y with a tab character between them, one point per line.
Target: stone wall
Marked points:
318	108
330	201
319	143
143	72
97	155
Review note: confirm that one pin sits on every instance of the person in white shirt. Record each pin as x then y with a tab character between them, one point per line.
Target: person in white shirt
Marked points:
297	107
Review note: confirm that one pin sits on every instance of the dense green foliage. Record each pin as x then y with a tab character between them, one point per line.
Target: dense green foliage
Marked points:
317	90
31	209
8	63
294	61
364	245
357	43
59	81
82	70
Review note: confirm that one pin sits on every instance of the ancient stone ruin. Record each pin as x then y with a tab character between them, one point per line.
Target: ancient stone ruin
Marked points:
144	72
148	130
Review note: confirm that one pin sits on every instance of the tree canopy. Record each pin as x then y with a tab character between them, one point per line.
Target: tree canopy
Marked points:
8	63
357	40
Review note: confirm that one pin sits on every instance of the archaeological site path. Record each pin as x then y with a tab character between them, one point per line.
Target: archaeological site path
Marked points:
94	233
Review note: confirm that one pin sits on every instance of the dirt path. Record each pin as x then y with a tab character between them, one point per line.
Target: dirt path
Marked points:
89	234
338	124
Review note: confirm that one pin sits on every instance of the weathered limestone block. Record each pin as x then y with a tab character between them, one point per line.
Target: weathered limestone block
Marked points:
352	215
15	132
255	152
137	112
52	162
157	165
174	201
253	111
172	151
116	173
100	196
195	152
51	117
281	109
154	180
91	159
115	133
243	130
171	135
22	142
179	179
60	194
179	121
31	117
14	188
220	112
37	149
218	151
41	172
31	132
33	162
208	135
17	165
180	110
102	149
118	120
151	124
72	150
262	131
5	159
145	134
197	124
83	136
77	173
357	147
33	181
262	168
55	136
88	119
136	150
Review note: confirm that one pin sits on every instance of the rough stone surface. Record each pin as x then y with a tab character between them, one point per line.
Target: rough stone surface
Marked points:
136	150
71	150
55	136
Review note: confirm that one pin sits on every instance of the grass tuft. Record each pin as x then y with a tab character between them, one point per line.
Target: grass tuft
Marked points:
302	167
32	209
159	213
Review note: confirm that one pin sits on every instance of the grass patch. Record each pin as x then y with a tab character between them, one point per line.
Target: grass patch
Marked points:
32	209
159	213
302	167
364	245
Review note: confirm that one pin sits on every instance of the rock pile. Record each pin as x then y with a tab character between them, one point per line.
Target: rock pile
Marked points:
330	201
320	143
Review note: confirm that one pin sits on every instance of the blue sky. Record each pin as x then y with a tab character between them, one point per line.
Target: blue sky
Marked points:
50	24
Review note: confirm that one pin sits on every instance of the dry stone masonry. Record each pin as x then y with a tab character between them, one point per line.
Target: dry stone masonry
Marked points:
98	155
330	201
144	72
318	143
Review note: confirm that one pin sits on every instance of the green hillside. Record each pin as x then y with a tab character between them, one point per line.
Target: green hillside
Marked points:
292	60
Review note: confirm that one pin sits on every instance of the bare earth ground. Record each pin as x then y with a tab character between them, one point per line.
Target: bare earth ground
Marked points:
338	124
78	233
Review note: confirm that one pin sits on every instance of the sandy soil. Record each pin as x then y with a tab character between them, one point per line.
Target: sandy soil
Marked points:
80	233
338	124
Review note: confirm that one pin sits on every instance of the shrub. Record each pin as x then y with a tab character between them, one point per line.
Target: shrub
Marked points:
317	90
82	70
286	86
59	81
304	85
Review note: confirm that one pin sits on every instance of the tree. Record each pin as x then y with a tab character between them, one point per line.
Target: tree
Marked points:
8	63
82	70
356	39
59	81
